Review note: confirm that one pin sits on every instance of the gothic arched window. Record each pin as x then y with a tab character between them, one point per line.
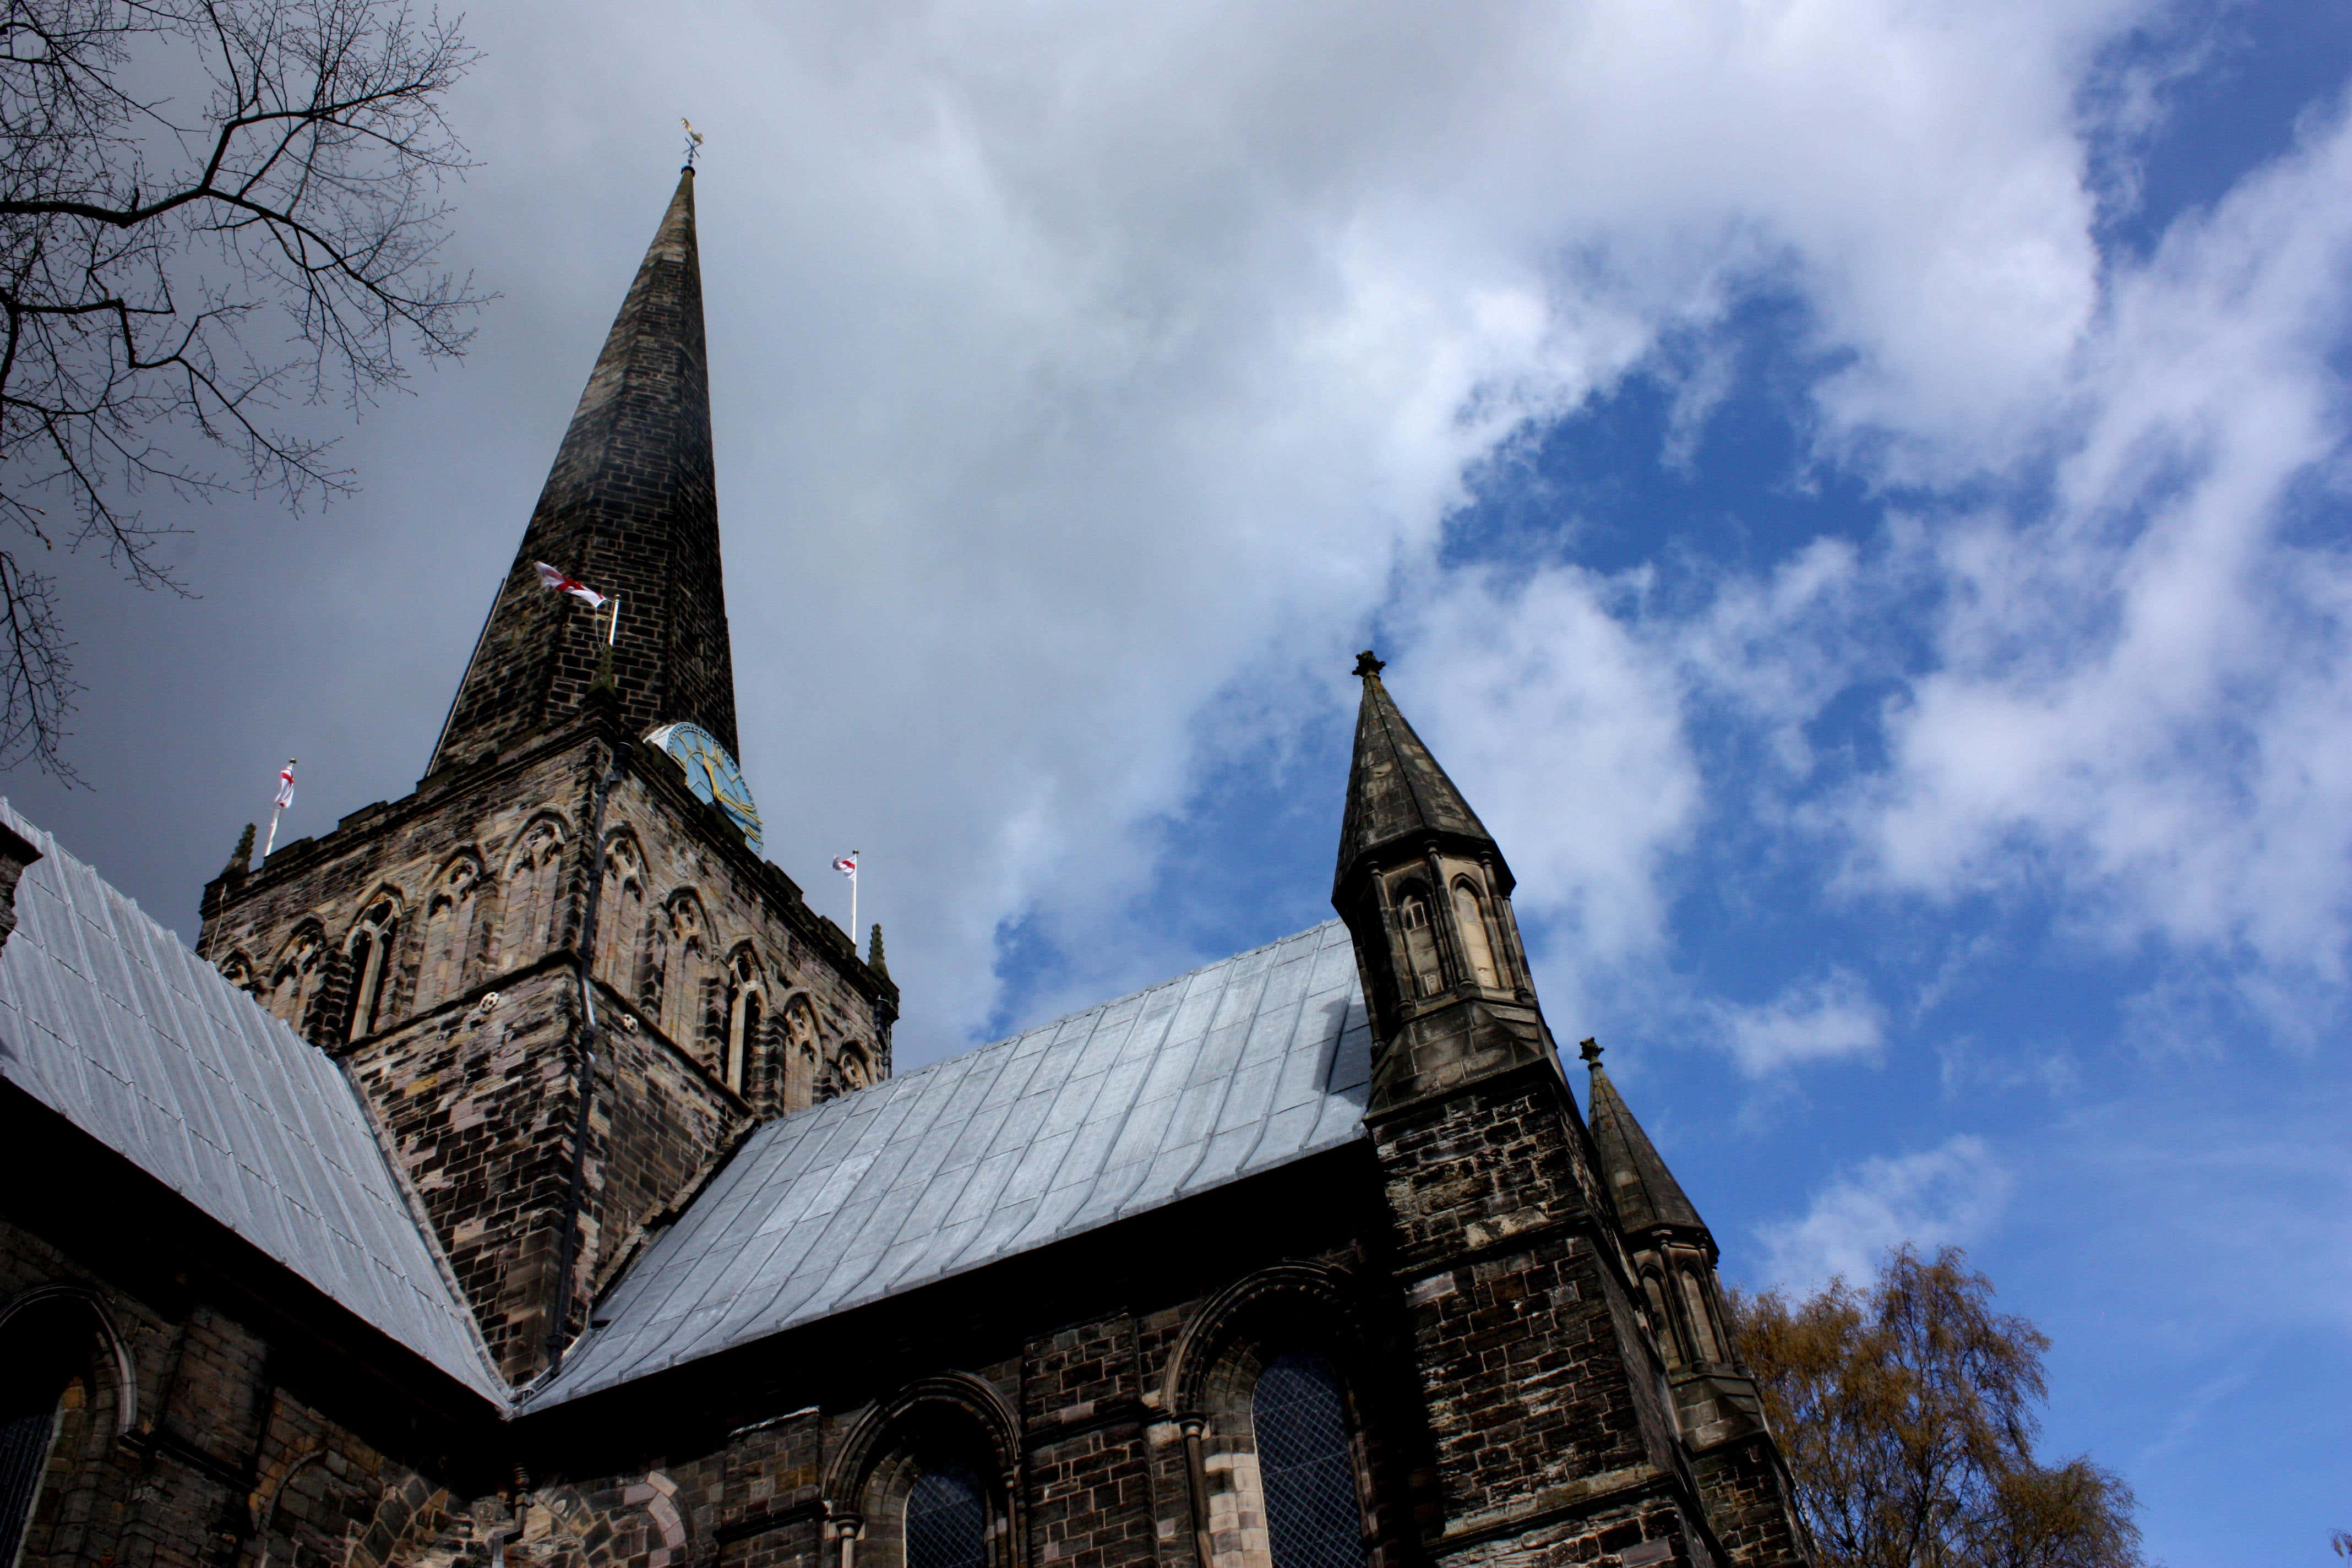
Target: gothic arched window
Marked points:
800	1067
294	981
1478	943
745	1014
527	928
947	1520
58	1413
1306	1467
368	956
621	922
678	1001
1702	1327
449	920
1419	941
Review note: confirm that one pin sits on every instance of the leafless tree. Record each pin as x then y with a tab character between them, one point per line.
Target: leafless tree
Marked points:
175	276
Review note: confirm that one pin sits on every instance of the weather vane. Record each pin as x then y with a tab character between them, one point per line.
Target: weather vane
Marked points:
693	140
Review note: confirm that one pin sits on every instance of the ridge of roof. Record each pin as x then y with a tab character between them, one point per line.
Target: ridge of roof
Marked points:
111	1022
1229	1069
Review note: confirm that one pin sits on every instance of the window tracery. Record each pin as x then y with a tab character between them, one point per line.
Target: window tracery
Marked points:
295	978
677	998
1420	940
621	922
451	915
367	954
532	879
800	1047
1478	944
746	1014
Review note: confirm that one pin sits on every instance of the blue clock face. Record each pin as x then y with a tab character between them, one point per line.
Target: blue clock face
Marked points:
712	774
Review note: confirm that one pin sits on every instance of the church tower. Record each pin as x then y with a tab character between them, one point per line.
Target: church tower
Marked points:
1543	1376
559	970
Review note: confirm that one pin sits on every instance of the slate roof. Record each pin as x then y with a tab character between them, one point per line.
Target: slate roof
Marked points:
1395	788
108	1021
1232	1070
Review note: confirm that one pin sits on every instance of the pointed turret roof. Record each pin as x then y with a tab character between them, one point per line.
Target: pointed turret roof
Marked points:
629	508
1396	791
1647	1193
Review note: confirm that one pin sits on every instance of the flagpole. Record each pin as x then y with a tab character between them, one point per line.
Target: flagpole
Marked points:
278	806
271	841
612	633
853	911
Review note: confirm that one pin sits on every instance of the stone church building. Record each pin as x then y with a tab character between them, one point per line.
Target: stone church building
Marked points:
517	1175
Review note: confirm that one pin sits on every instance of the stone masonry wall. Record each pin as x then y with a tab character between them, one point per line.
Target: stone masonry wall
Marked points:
1547	1404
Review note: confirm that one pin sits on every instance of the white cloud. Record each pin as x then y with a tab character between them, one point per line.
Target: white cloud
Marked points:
1822	1020
1951	1195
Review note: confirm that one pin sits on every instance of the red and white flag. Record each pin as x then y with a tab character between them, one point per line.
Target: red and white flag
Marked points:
548	577
847	864
285	786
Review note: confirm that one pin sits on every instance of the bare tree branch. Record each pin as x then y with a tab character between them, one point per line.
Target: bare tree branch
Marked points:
171	282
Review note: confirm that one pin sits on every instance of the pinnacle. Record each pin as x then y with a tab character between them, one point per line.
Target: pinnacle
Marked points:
1646	1191
1396	791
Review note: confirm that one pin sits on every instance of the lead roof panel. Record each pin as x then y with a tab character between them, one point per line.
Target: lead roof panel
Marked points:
1212	1076
110	1022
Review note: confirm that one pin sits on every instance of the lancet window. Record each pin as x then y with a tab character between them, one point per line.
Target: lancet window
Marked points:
746	1015
676	996
451	915
1306	1465
621	922
1478	944
533	877
295	978
801	1057
368	959
1420	940
59	1410
947	1518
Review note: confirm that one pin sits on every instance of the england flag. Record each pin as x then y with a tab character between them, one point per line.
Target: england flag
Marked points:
847	864
549	577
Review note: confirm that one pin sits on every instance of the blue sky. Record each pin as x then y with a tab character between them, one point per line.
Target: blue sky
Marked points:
1854	493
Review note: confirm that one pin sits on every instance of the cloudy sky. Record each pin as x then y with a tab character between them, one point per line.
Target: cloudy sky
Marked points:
1854	491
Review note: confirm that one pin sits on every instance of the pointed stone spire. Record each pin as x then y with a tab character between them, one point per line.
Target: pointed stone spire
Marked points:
629	508
874	959
1647	1194
1396	791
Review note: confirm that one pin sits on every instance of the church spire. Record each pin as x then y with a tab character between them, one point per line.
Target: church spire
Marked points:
1648	1196
1427	897
630	506
1397	794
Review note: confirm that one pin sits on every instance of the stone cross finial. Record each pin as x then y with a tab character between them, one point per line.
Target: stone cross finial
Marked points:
1369	663
1591	1051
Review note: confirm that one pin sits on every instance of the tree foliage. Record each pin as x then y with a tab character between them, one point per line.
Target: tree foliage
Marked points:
1906	1414
174	274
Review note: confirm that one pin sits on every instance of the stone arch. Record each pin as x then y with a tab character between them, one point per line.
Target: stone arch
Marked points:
367	973
802	1058
1417	916
948	1419
450	953
744	1063
853	1061
621	919
69	1392
298	975
1289	1309
682	976
237	969
531	889
1482	946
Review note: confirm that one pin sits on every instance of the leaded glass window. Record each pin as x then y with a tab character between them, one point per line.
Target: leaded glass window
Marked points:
1312	1519
946	1520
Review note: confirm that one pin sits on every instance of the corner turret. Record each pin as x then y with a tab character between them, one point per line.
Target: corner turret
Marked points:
1426	894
